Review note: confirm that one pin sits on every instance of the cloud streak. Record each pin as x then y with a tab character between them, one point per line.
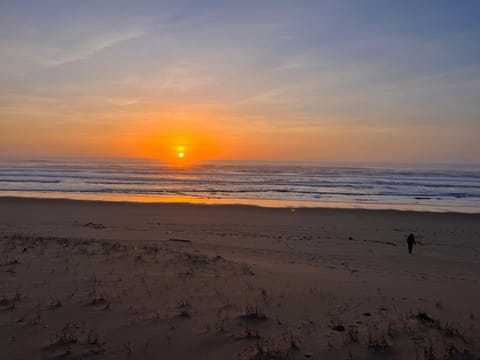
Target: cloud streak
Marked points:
57	55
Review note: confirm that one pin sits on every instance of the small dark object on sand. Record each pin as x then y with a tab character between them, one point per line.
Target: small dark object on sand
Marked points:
24	250
339	328
181	240
411	241
93	225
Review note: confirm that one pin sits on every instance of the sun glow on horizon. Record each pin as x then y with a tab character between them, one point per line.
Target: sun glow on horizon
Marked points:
180	152
180	147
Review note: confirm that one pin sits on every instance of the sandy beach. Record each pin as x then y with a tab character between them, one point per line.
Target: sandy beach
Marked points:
177	281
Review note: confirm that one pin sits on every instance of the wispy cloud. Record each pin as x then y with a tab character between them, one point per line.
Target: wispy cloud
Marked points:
27	46
84	48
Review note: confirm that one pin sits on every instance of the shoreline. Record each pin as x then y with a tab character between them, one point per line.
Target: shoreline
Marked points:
35	213
266	204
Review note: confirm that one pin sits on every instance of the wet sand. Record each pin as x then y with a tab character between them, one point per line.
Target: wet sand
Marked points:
177	281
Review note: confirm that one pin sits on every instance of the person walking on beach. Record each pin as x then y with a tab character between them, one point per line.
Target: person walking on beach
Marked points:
411	241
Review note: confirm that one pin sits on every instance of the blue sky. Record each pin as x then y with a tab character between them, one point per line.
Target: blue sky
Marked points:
375	75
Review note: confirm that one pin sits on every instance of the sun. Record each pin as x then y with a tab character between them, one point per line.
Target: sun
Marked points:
180	152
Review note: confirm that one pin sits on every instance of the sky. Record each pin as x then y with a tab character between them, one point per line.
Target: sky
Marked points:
241	80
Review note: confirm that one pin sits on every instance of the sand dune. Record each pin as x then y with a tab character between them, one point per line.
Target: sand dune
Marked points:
175	281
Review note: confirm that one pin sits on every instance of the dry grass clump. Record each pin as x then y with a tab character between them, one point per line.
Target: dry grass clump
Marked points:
55	304
352	333
10	303
254	313
336	323
185	307
64	338
377	340
267	350
377	343
424	318
247	270
9	262
447	351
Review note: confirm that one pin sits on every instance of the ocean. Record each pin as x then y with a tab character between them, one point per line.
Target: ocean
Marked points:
377	186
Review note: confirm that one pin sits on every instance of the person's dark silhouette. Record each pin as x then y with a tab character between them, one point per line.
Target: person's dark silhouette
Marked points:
411	241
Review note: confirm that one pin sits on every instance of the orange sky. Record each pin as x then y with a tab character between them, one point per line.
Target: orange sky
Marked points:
206	137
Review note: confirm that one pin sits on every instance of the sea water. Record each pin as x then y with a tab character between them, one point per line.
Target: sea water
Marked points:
392	186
